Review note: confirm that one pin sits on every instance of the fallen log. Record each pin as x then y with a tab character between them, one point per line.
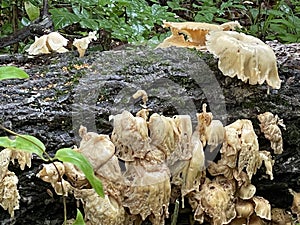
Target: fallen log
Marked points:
64	92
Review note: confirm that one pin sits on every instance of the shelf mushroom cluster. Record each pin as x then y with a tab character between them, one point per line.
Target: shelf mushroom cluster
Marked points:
55	42
164	154
9	194
244	56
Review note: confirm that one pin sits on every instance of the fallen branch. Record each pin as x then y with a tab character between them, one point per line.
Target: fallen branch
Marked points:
38	27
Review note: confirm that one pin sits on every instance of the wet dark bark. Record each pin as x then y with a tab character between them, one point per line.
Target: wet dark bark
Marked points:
64	92
37	28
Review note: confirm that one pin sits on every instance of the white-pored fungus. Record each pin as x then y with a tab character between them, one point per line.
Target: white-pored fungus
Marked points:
56	42
163	133
269	126
130	136
195	169
23	157
195	31
143	94
296	203
52	42
160	151
248	156
96	147
49	173
262	207
281	217
268	161
9	194
148	191
83	43
39	46
244	209
100	210
215	202
211	131
244	56
246	191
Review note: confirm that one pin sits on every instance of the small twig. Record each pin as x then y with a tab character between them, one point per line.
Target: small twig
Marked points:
45	11
175	214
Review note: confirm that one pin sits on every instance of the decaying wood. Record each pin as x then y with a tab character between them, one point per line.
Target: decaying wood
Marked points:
63	89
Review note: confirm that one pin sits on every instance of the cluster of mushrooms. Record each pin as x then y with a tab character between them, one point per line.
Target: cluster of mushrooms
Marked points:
241	55
148	158
55	42
9	194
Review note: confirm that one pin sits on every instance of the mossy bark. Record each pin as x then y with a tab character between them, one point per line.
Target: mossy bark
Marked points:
64	92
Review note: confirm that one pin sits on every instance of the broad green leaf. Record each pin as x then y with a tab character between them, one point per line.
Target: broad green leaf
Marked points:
283	21
79	219
26	143
12	72
32	11
62	18
89	23
79	160
275	12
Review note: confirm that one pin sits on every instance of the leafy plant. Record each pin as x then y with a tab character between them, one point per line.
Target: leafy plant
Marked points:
126	20
280	22
31	144
135	21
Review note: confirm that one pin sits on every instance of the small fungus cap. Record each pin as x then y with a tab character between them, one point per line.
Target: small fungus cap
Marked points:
246	191
262	207
56	42
39	46
244	56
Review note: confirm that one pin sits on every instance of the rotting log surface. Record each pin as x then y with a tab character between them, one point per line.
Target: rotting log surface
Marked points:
65	91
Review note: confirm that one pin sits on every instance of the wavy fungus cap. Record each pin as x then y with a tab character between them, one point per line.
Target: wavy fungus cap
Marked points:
45	44
244	56
196	33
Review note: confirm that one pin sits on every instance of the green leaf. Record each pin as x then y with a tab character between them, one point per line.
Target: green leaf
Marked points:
275	12
79	160
284	22
12	72
26	143
32	11
79	219
25	21
62	18
89	23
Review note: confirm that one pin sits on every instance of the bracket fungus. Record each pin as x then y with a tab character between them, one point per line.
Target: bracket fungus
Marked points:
195	31
244	56
161	155
212	131
296	203
100	211
52	42
83	43
49	173
216	202
269	126
9	194
241	55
